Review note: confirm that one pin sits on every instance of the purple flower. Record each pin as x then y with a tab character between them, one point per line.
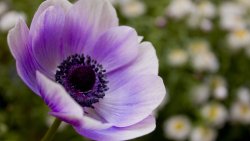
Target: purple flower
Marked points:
91	72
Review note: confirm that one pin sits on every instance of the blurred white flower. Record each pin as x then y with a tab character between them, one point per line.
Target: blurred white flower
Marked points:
206	25
239	38
243	95
220	92
179	8
194	21
231	9
231	15
232	22
9	20
177	57
205	9
3	7
201	16
240	112
202	59
177	127
202	133
219	87
132	8
214	113
200	93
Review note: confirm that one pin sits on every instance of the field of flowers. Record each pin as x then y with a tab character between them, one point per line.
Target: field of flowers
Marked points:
203	48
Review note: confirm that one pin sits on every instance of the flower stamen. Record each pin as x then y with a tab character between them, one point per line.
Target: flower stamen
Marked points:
83	78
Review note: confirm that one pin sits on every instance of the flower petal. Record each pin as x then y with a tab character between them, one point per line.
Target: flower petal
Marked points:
18	39
146	61
19	47
55	96
26	69
116	48
84	121
64	4
133	101
85	22
47	40
64	107
120	133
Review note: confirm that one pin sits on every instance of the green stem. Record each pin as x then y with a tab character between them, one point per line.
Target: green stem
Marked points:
52	130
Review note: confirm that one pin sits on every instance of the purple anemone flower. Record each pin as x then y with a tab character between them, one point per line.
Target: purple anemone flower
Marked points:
92	73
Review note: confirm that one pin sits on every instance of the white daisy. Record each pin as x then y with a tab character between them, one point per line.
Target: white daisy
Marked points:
202	133
177	57
214	113
177	127
239	38
200	93
202	59
180	8
240	112
132	8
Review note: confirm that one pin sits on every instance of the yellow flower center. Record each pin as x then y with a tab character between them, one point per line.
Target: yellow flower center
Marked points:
179	126
244	110
241	33
213	113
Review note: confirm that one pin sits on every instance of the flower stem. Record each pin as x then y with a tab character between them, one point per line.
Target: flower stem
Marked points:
52	130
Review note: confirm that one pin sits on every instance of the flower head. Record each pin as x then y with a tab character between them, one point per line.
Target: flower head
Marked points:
240	112
214	113
201	93
239	38
91	72
177	127
203	133
132	8
202	58
179	9
177	57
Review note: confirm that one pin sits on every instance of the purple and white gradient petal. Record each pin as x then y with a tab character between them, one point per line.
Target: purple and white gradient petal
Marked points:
91	72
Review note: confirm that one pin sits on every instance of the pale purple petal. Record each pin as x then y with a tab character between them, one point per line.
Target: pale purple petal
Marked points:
145	63
19	46
64	107
116	48
120	133
26	69
84	121
85	22
18	39
47	38
132	101
55	96
64	4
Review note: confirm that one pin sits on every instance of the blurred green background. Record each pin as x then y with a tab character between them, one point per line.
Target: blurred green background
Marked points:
203	48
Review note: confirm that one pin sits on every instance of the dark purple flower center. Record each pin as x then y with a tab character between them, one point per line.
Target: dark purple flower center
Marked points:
83	78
